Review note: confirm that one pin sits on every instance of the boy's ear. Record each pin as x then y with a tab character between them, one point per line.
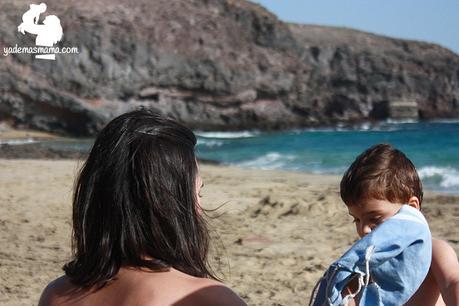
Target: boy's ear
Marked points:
414	202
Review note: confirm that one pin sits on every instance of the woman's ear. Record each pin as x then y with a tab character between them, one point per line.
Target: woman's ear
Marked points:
414	202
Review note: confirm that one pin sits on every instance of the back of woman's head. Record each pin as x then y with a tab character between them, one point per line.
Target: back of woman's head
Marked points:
135	202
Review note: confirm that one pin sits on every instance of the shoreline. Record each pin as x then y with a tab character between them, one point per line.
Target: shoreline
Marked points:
438	174
274	236
35	151
17	134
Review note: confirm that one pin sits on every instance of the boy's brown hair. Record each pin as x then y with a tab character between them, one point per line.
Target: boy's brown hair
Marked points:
381	172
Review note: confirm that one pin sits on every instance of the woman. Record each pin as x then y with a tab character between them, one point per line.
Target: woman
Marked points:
138	235
48	33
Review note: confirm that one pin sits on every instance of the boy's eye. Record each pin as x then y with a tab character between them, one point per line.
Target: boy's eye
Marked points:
355	221
376	220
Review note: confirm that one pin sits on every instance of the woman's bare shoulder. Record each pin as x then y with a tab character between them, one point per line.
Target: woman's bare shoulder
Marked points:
210	292
189	290
55	290
175	288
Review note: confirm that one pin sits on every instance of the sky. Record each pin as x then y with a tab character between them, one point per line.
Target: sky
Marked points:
435	21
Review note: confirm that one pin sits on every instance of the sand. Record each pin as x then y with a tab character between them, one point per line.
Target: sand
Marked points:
275	235
7	133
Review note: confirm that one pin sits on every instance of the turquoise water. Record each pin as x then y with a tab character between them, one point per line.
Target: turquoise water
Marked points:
433	147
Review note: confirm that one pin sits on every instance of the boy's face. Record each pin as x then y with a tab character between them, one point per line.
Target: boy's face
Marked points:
370	213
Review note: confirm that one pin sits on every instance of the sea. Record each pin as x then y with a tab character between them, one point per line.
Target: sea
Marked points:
433	147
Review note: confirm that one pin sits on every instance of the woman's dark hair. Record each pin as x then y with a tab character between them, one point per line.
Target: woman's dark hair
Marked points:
135	202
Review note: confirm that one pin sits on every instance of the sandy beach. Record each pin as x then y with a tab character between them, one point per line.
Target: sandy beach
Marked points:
7	133
274	236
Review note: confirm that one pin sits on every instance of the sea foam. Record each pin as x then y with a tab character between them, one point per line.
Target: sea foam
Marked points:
446	177
17	141
270	160
227	135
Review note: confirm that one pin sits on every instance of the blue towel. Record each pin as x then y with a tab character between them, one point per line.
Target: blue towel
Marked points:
396	254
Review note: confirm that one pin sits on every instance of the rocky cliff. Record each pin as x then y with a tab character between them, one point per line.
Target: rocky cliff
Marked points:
213	64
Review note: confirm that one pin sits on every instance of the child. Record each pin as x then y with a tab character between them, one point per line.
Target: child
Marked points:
32	15
375	187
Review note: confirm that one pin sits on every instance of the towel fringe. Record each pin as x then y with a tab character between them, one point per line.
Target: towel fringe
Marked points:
362	284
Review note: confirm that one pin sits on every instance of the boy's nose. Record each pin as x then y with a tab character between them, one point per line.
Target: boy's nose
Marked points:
366	229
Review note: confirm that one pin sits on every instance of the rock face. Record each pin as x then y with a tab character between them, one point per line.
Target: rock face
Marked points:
213	64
